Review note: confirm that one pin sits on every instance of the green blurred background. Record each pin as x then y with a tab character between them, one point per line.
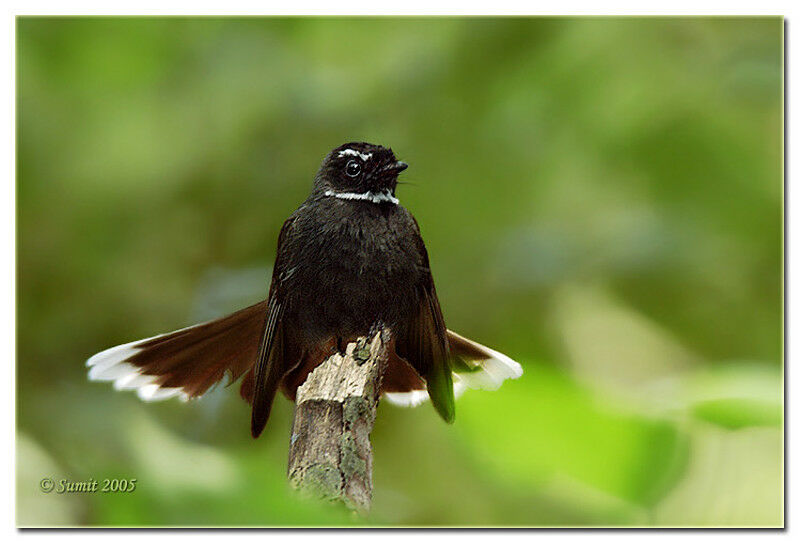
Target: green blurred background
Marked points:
601	199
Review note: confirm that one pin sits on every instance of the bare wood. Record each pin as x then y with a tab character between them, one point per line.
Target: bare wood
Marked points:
330	456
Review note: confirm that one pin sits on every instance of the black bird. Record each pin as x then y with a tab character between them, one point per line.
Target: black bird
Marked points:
349	259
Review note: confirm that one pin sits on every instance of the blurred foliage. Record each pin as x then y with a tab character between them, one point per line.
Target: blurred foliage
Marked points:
601	199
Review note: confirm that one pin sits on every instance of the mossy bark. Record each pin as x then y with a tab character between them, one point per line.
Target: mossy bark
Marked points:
330	456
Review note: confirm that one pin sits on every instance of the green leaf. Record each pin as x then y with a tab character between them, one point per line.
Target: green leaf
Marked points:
739	413
546	425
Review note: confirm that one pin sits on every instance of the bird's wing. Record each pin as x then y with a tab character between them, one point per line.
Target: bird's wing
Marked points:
270	365
448	362
423	341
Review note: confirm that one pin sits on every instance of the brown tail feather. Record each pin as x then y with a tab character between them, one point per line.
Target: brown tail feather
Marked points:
185	362
400	376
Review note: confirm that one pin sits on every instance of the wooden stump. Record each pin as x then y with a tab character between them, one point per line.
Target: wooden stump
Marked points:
330	456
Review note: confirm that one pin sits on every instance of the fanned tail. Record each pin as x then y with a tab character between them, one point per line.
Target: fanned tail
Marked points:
187	362
474	367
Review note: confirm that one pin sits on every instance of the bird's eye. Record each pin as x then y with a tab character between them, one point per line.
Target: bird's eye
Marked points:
352	169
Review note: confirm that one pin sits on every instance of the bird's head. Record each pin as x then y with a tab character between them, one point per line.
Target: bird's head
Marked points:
359	168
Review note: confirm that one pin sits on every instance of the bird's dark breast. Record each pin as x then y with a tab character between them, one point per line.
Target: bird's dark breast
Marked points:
355	265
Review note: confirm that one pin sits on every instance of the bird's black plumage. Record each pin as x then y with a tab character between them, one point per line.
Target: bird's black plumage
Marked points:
347	264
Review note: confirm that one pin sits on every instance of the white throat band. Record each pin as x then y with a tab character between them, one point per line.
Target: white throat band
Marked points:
369	196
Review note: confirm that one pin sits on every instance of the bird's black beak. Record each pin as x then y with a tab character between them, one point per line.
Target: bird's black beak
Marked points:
395	167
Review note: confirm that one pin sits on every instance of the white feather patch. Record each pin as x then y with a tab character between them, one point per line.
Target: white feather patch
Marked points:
414	398
494	370
408	398
112	365
369	196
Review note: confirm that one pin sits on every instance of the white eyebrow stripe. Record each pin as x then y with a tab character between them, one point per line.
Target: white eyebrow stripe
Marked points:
369	196
354	153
